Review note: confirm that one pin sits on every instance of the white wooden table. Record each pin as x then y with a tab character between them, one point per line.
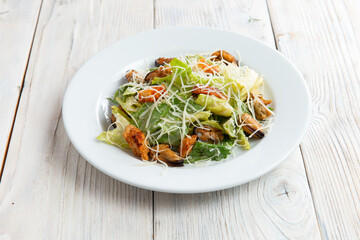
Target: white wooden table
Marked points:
48	191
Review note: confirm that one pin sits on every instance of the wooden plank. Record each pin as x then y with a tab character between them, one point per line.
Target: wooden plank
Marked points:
48	191
17	25
322	39
246	17
275	206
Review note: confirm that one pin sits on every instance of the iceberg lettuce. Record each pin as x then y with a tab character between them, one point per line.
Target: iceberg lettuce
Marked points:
243	140
239	80
213	123
126	90
182	70
229	128
215	105
117	110
200	116
125	97
129	104
244	80
115	137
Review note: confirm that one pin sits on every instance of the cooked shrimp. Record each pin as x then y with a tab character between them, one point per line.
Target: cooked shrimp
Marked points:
207	68
224	55
202	89
136	140
186	145
151	94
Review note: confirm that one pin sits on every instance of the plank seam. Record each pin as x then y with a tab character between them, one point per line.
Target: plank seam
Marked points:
154	14
153	193
153	214
308	183
20	93
302	156
272	26
344	34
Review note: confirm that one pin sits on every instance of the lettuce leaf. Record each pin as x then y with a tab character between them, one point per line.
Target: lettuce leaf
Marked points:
213	123
125	97
196	79
125	90
117	110
148	110
215	105
148	113
247	77
200	116
244	80
182	70
115	137
158	80
229	128
205	151
239	80
243	140
130	91
173	131
129	104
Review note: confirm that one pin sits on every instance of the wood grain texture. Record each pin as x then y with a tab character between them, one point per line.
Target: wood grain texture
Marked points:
322	39
248	17
277	205
17	26
48	191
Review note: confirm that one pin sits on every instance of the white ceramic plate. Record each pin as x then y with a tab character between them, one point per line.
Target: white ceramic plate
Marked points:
85	107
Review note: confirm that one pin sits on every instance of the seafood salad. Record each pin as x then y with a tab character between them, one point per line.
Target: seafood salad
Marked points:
189	109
